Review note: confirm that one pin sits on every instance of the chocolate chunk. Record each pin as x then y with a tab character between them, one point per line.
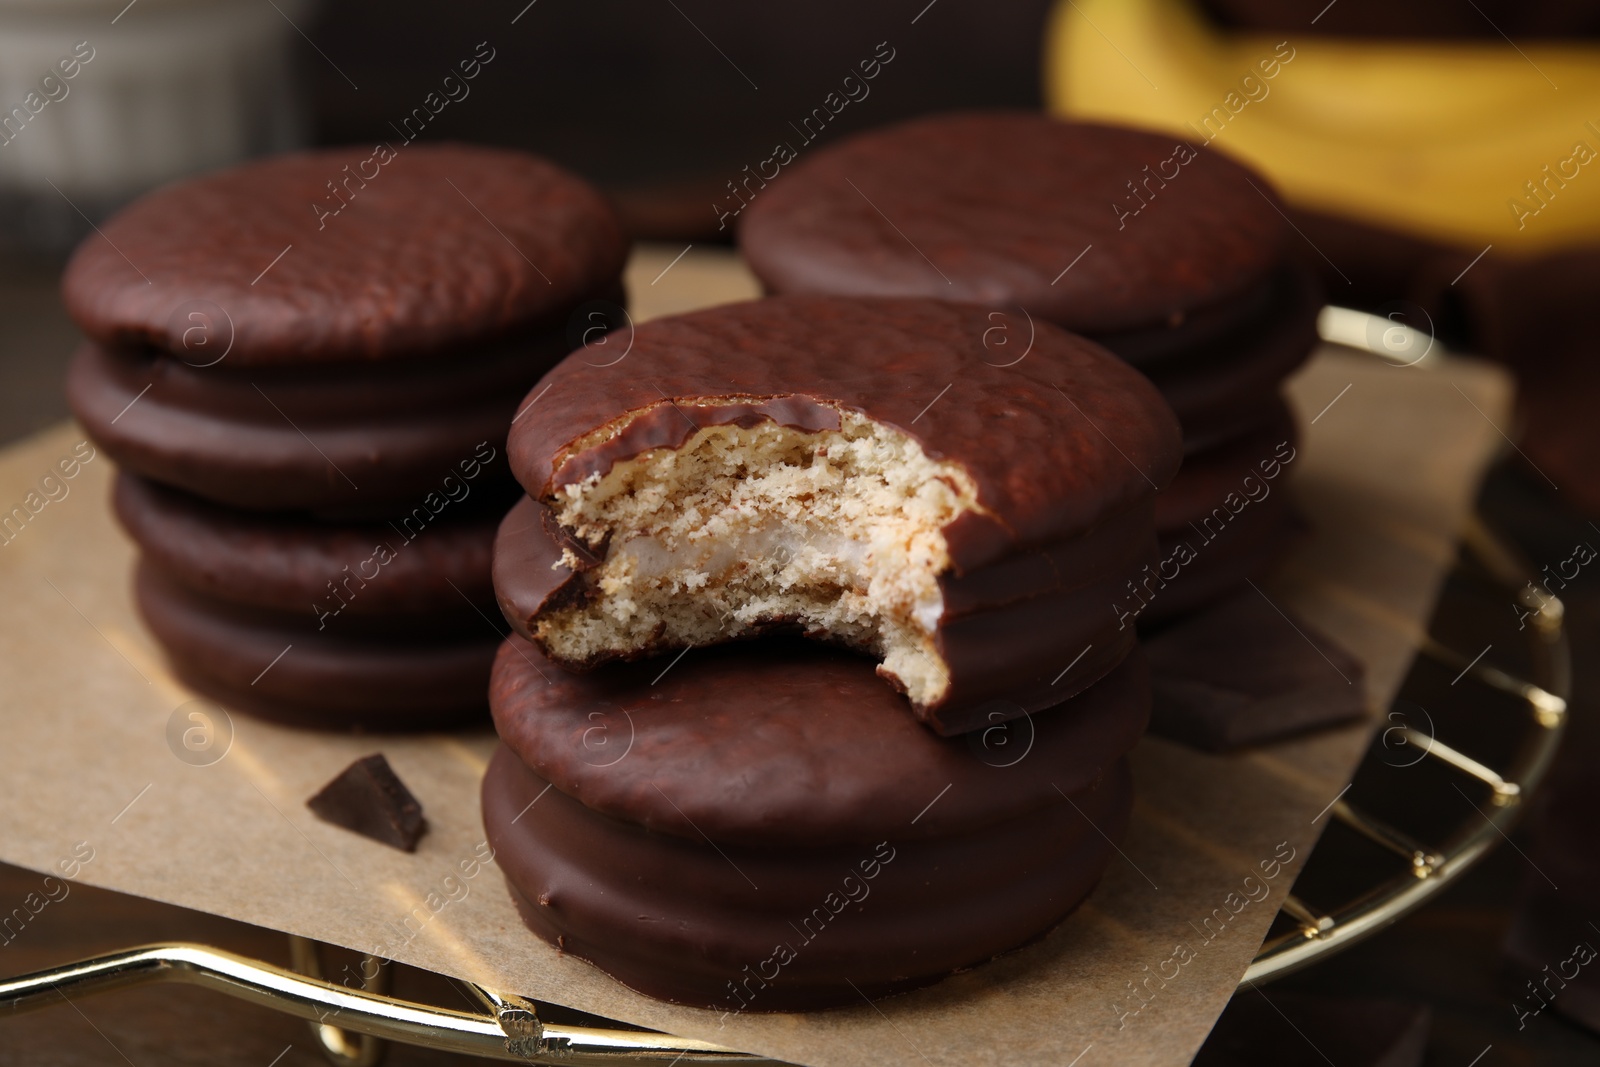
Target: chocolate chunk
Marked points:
370	799
1239	673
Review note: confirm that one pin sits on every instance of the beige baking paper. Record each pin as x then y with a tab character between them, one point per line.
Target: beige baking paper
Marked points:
1386	474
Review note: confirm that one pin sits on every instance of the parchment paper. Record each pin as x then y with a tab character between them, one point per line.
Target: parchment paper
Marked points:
1386	474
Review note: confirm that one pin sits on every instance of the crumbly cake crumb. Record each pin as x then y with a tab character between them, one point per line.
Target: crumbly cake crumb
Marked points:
838	531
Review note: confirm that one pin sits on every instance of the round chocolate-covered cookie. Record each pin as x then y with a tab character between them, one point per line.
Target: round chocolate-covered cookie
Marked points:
422	572
871	472
348	440
762	799
1018	636
996	208
1173	257
812	927
1226	518
1226	386
340	675
346	254
788	742
305	367
300	334
1217	563
1250	465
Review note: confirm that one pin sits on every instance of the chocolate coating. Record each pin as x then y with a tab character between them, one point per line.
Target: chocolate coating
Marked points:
1057	442
1224	386
435	249
1237	465
1195	289
287	563
1248	547
328	679
780	742
1236	520
1018	635
679	920
992	207
345	440
1229	323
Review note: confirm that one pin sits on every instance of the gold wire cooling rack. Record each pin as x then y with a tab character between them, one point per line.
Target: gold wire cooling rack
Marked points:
352	1025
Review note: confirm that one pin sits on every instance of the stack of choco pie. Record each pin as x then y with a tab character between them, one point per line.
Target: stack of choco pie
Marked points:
813	692
304	368
1174	257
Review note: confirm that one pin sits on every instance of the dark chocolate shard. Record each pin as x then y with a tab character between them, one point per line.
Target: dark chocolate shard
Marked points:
1239	673
369	798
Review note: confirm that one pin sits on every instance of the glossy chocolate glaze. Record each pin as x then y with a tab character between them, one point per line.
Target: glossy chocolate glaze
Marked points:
1279	308
1222	389
422	570
1156	346
782	742
1248	547
1209	475
1195	289
337	678
670	425
438	248
1019	635
992	208
318	439
1237	521
678	919
1057	442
